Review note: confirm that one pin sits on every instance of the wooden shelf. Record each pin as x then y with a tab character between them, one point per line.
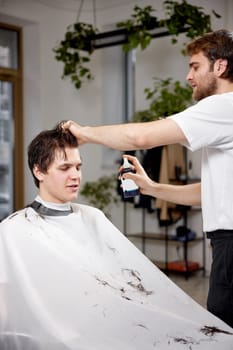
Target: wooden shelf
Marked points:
180	266
161	237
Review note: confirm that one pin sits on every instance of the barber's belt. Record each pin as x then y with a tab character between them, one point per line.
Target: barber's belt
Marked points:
220	234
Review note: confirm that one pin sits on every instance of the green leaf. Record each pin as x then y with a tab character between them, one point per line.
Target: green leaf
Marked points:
167	97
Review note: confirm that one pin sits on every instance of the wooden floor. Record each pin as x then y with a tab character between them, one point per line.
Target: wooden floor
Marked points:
196	286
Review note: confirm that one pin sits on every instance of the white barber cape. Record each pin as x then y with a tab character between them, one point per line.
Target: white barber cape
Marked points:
76	283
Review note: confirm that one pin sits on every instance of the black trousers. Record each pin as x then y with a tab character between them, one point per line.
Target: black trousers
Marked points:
220	297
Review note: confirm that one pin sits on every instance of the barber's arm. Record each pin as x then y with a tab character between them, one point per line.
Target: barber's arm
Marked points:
179	194
129	136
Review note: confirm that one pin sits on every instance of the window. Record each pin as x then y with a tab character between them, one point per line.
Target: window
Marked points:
11	120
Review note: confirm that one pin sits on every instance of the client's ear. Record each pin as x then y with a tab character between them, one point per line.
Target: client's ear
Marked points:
38	173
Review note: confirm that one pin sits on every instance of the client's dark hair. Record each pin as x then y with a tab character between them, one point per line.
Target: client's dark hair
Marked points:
42	149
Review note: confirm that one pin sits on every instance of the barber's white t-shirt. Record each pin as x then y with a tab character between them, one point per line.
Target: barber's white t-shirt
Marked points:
209	125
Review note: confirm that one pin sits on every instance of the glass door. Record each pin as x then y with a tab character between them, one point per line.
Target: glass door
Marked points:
6	149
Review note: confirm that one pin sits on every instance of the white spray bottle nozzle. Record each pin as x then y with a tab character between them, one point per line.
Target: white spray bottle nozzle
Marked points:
126	163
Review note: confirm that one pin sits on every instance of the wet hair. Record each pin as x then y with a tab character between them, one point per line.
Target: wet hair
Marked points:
43	148
215	45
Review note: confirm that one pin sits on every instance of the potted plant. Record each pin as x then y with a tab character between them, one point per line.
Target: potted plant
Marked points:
101	193
166	97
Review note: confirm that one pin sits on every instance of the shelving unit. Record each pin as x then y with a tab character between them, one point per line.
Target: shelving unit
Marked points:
180	169
183	266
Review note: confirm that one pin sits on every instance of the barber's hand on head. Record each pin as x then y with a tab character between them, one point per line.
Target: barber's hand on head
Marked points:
75	129
140	176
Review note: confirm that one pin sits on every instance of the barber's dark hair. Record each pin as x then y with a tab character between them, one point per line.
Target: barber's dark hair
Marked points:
42	149
215	45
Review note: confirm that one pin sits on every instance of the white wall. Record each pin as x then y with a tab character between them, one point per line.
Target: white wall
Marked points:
48	98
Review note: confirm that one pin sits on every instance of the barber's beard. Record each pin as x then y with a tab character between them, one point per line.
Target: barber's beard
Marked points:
207	88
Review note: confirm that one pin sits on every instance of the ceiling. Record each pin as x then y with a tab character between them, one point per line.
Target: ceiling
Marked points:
87	5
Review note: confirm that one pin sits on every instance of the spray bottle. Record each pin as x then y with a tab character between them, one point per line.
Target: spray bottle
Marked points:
130	189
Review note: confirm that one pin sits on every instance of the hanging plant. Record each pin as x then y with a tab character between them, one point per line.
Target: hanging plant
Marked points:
184	17
75	51
180	18
79	42
167	97
138	28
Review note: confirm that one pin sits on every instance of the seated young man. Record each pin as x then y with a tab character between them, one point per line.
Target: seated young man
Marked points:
69	280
